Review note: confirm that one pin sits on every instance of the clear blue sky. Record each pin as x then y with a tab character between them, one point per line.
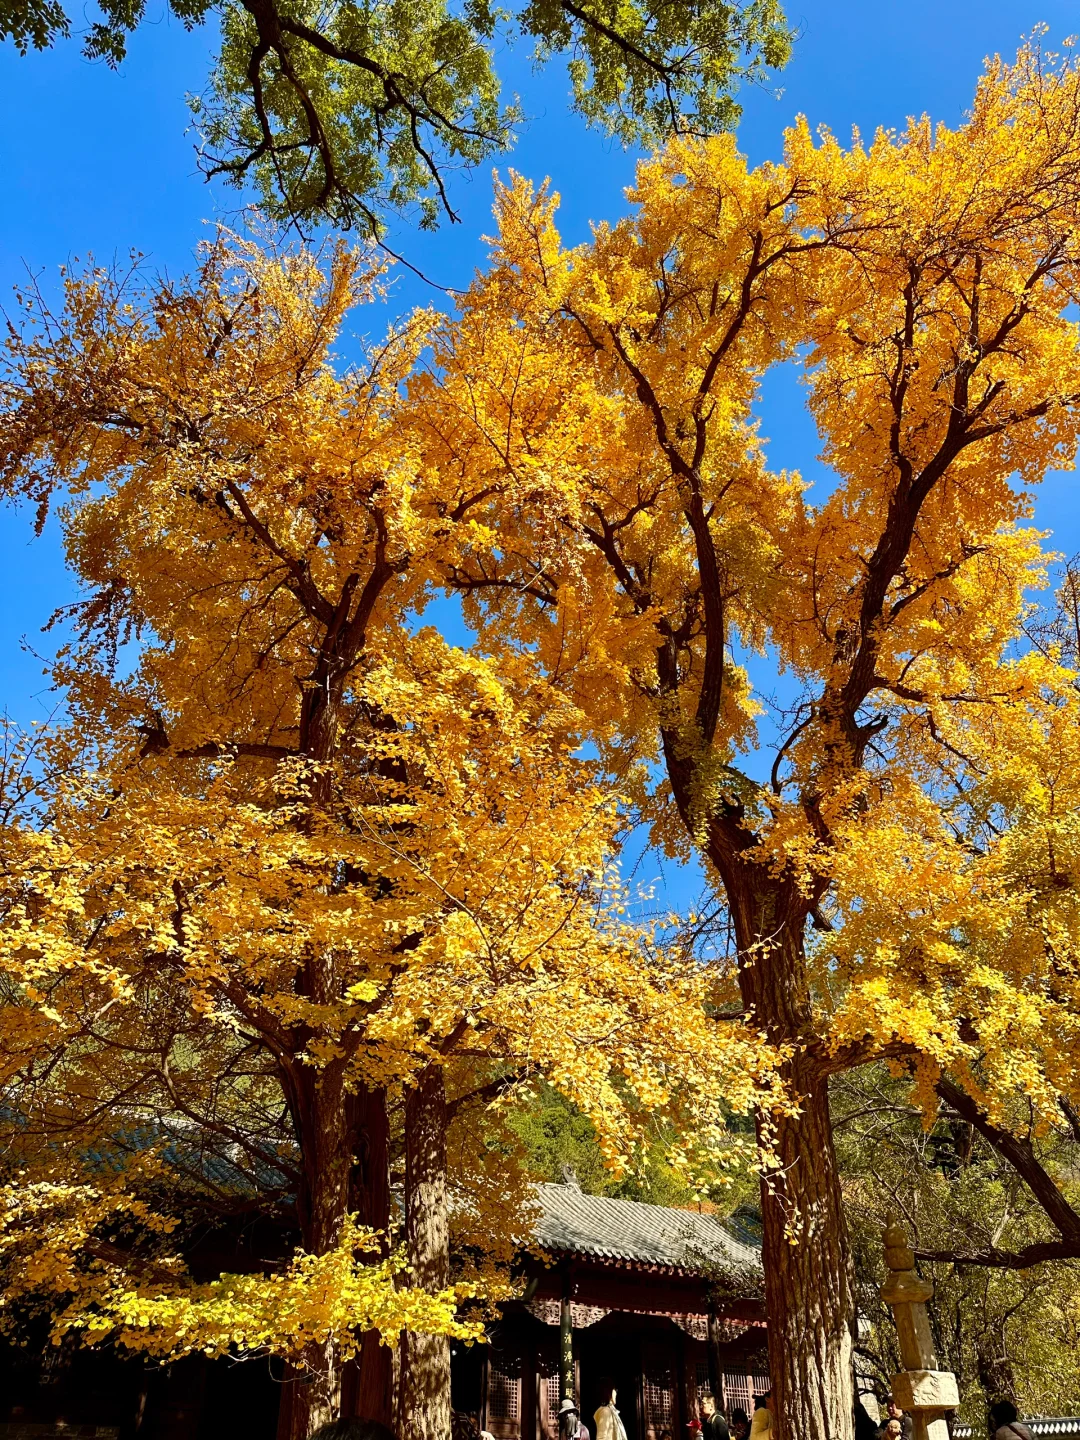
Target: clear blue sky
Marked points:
98	162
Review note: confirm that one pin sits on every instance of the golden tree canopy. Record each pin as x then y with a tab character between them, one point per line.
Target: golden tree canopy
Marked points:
575	455
290	845
595	408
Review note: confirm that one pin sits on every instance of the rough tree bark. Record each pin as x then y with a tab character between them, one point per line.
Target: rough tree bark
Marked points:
426	1358
809	1287
320	1110
343	1139
368	1386
809	1281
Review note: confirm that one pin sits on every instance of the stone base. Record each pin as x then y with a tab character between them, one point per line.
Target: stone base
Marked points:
926	1390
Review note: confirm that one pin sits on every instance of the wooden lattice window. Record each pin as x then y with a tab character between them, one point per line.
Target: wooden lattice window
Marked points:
659	1388
504	1391
549	1384
739	1390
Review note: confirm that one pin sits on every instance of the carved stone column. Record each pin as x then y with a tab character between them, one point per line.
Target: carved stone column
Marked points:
921	1388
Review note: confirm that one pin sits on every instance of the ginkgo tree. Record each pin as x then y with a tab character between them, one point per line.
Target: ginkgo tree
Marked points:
898	853
575	455
292	862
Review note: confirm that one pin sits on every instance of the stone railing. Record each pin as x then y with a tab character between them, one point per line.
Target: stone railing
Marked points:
1065	1427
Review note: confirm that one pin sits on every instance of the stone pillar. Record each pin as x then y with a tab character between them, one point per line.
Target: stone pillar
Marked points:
921	1388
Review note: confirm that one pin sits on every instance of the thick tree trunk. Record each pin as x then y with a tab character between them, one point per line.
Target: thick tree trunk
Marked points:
312	1392
809	1290
369	1386
343	1146
426	1358
809	1285
369	1390
343	1134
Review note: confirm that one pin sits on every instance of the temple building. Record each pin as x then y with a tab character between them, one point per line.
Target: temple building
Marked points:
663	1304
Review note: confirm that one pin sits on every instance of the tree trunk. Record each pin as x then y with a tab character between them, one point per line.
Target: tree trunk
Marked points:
322	1114
369	1385
809	1288
809	1282
345	1144
426	1358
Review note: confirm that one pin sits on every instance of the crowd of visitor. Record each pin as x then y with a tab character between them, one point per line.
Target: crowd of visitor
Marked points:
895	1424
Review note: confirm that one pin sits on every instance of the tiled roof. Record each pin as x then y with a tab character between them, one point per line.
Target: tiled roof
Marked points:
571	1221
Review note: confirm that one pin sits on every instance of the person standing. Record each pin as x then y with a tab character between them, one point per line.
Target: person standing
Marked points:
740	1424
902	1418
571	1425
762	1423
1005	1423
713	1424
609	1424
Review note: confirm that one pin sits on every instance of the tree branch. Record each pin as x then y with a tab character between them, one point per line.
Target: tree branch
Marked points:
1020	1154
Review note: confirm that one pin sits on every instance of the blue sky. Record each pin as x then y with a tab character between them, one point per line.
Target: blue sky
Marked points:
98	162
